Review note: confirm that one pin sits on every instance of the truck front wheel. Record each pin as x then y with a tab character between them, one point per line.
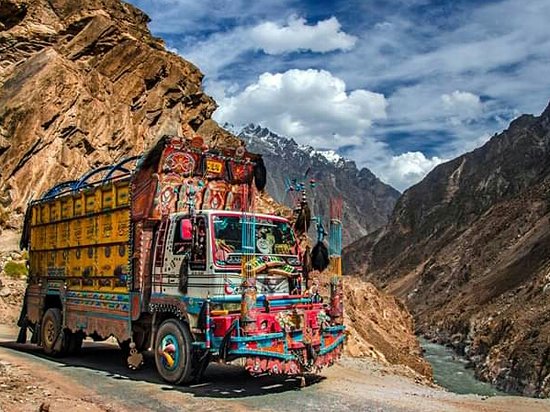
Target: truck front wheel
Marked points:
52	337
173	352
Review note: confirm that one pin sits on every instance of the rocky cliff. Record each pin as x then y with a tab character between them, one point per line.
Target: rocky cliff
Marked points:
82	84
368	202
469	250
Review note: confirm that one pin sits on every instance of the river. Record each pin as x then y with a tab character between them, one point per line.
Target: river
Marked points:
450	371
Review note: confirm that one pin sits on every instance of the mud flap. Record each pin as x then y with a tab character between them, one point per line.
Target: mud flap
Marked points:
22	322
22	336
59	340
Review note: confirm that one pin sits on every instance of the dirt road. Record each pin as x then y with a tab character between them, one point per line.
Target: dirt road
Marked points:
98	380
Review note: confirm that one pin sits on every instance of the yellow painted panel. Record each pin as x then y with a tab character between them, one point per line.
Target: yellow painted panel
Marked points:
78	204
122	194
51	236
87	259
34	237
121	225
105	234
35	213
44	213
40	241
90	230
89	202
85	237
107	197
55	210
74	265
67	207
50	260
77	232
63	234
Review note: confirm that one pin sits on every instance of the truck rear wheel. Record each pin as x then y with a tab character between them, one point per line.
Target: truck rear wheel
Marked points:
173	352
52	337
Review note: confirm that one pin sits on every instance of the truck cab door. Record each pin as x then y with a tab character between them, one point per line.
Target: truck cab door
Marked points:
173	246
198	248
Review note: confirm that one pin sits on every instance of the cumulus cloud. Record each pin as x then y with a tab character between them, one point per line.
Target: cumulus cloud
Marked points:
398	170
408	168
432	63
222	49
463	105
312	106
325	36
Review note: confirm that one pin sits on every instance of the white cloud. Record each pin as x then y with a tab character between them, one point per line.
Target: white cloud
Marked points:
408	168
322	37
400	171
312	106
463	105
432	63
222	49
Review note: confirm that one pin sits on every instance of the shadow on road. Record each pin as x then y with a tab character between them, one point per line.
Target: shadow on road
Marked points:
220	381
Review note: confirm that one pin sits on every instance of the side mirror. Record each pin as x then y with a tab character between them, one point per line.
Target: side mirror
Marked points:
186	230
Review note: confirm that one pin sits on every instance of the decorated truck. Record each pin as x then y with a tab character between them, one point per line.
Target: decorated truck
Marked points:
166	252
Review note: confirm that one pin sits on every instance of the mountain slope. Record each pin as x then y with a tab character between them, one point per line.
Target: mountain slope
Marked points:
82	84
368	202
469	250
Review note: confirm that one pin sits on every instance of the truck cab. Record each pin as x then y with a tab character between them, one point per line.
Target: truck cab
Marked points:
202	254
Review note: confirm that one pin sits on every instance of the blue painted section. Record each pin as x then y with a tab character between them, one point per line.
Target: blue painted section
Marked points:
251	352
170	339
267	340
256	338
194	305
333	346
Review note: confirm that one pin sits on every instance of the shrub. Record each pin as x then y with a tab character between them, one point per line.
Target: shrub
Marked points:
16	269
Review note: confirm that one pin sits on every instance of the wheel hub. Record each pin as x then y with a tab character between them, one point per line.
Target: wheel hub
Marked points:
50	333
169	351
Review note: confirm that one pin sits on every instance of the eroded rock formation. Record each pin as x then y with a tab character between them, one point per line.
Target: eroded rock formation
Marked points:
469	250
82	84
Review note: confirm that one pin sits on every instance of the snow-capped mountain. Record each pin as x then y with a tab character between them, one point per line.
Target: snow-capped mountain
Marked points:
368	201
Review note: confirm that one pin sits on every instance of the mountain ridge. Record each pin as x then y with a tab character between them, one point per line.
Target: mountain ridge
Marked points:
468	249
367	201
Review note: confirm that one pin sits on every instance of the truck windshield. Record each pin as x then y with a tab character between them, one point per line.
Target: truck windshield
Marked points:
273	237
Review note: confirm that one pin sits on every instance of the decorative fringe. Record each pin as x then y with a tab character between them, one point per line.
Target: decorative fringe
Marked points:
335	239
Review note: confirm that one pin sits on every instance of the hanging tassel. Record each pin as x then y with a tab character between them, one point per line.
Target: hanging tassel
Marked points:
260	174
303	219
319	257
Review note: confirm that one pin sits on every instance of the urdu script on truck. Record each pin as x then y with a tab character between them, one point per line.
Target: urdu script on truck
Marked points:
166	252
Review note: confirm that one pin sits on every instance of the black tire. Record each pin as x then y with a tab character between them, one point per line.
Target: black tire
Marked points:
174	332
51	332
22	336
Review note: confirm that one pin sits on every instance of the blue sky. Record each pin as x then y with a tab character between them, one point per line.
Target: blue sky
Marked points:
397	85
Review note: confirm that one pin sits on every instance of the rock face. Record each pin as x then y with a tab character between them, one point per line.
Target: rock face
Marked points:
381	327
368	202
82	84
469	250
